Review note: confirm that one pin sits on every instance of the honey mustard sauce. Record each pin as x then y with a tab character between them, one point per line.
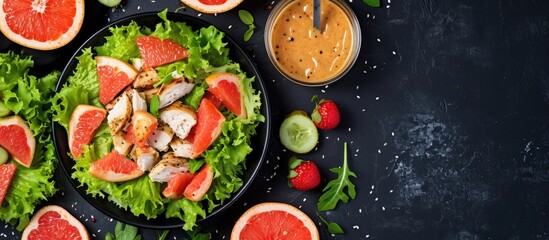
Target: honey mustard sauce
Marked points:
306	53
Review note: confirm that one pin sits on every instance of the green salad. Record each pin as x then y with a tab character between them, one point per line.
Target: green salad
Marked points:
29	97
208	54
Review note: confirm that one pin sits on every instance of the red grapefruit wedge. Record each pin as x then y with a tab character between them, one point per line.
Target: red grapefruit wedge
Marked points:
228	88
114	167
200	184
209	122
212	6
273	220
177	184
54	222
84	122
114	75
156	52
17	139
6	175
42	25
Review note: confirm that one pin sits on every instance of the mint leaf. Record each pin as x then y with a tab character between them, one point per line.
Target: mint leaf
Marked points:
372	3
335	190
122	232
246	17
248	34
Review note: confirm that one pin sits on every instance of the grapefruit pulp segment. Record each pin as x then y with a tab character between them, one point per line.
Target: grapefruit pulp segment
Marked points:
228	88
16	137
42	25
114	75
83	123
114	167
156	52
200	184
54	222
6	175
177	184
209	122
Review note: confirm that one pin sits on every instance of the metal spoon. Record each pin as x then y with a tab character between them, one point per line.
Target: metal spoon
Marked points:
316	14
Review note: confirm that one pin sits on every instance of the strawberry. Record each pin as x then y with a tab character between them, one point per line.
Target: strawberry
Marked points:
303	175
326	114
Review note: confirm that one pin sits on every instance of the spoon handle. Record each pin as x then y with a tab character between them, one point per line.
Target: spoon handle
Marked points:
316	14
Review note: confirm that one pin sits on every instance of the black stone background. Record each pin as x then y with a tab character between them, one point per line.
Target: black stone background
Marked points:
445	112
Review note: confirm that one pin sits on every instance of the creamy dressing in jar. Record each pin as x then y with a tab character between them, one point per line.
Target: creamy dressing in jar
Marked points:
306	53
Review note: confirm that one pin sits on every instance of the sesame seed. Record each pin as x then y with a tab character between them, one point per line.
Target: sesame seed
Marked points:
376	199
394	53
378	40
355	227
357	96
383	208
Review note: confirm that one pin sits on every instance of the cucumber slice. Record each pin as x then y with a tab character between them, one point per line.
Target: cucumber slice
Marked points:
298	133
3	156
4	111
110	3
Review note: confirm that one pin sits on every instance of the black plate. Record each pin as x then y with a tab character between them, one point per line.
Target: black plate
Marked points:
259	141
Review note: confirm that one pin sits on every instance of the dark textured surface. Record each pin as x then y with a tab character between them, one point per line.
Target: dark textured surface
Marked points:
445	111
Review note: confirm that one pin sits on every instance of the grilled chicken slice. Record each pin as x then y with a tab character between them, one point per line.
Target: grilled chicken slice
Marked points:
121	144
168	167
181	147
138	102
146	78
173	91
161	137
120	114
149	93
145	157
180	117
143	125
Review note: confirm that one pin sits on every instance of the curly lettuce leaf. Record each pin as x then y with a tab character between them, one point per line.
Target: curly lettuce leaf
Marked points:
28	97
121	44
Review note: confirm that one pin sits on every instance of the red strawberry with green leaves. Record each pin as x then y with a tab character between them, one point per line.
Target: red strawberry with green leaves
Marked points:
326	114
303	175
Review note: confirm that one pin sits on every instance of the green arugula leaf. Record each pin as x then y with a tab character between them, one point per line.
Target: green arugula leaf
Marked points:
246	17
195	234
122	232
372	3
334	191
163	235
155	105
333	227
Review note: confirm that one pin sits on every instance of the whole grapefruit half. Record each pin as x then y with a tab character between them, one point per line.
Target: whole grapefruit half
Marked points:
273	220
114	167
16	137
227	87
83	123
212	6
54	222
114	75
41	25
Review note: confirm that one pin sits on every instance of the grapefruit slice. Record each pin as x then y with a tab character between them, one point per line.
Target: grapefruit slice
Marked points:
143	125
209	122
114	167
177	184
41	25
273	220
6	175
212	6
83	123
228	88
156	52
200	184
17	139
114	75
54	222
